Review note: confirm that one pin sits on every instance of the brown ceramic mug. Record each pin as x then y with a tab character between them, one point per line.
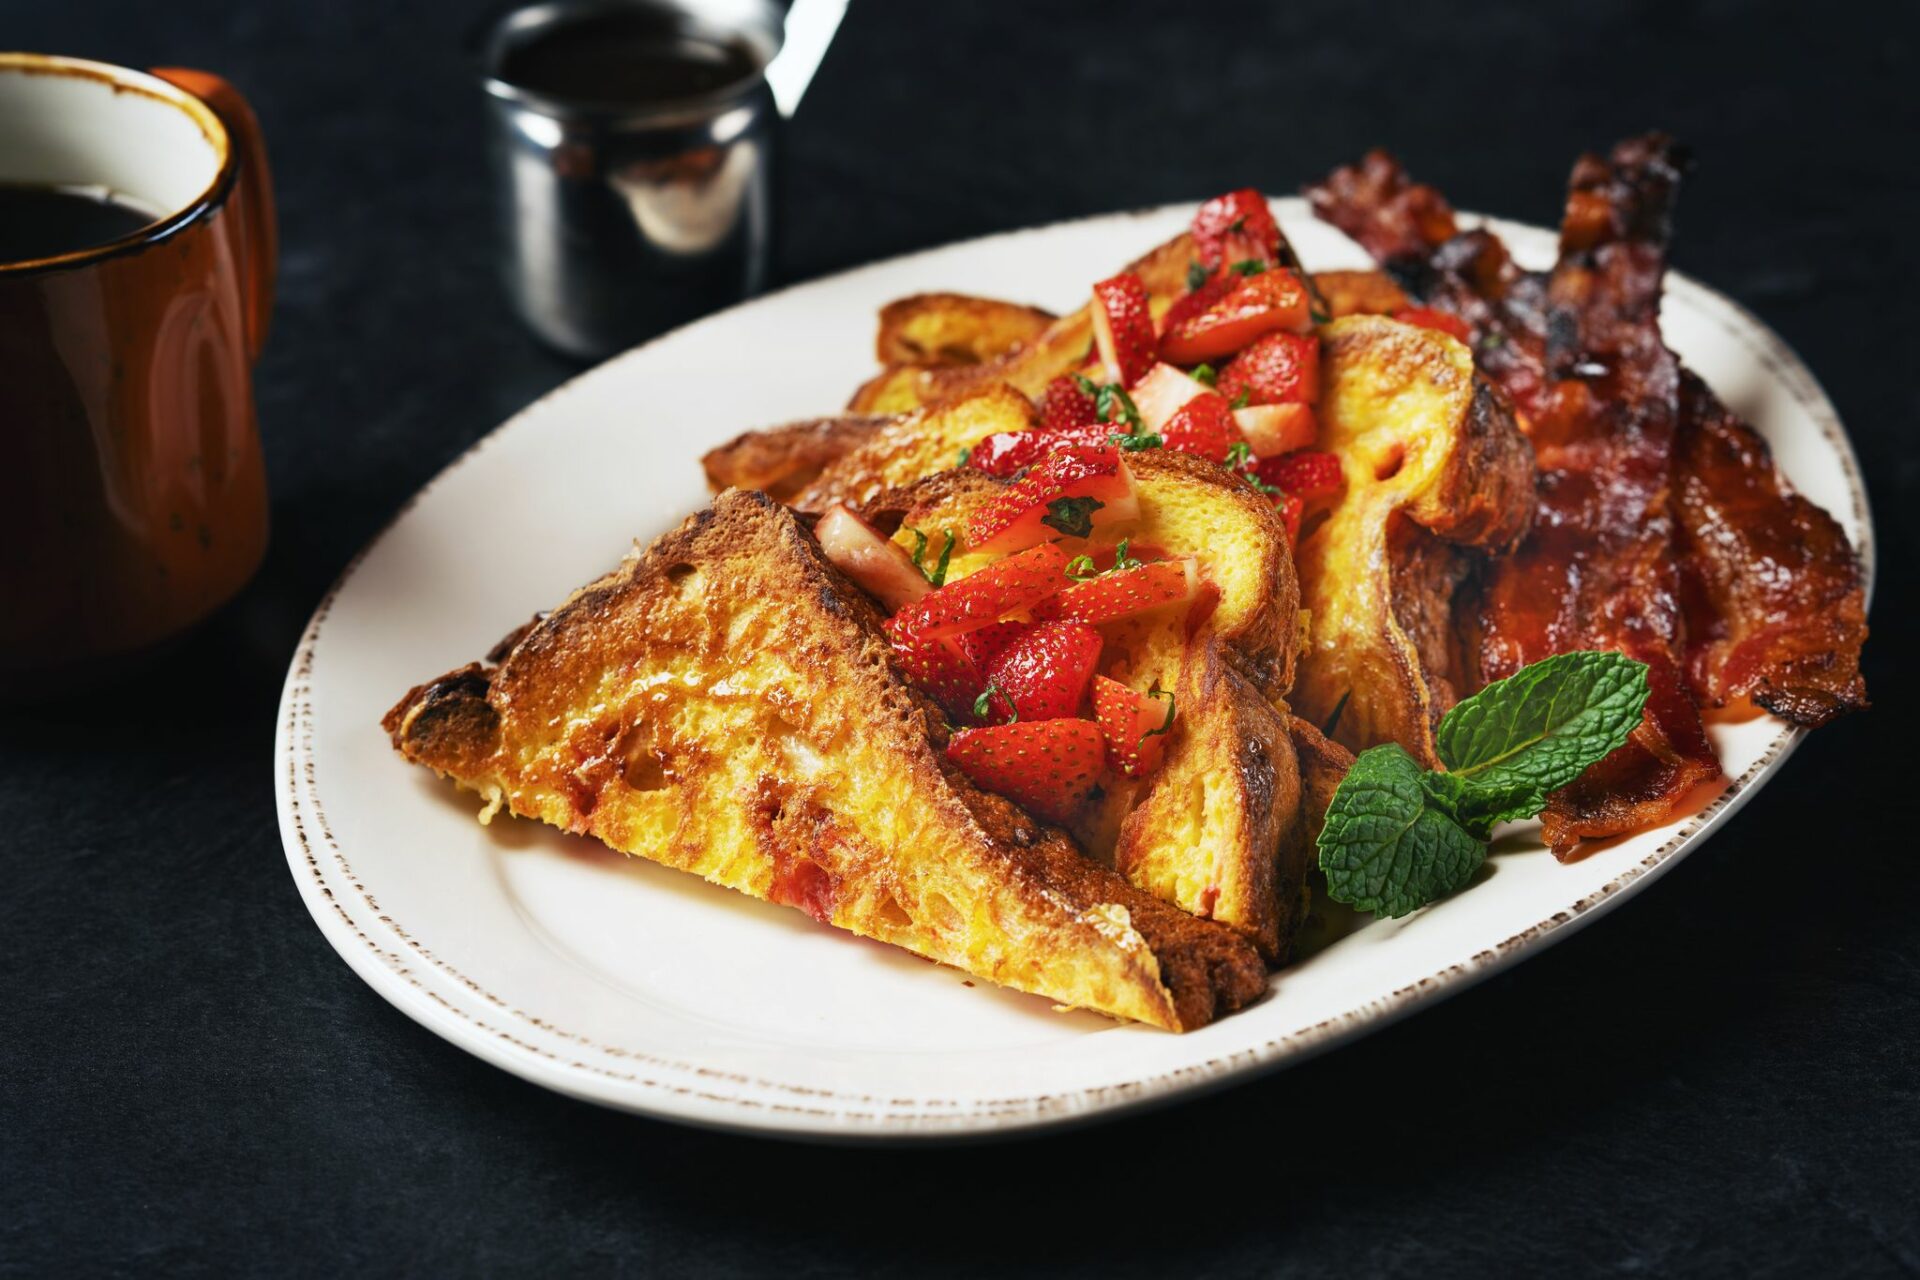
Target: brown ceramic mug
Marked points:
133	497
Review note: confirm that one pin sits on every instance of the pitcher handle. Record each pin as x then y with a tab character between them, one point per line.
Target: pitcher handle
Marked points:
255	235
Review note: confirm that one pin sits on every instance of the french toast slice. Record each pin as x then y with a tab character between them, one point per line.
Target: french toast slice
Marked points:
725	703
915	445
1027	366
954	328
1217	828
781	461
1434	463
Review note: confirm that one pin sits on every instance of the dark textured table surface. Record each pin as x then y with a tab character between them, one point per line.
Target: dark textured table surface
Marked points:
1720	1077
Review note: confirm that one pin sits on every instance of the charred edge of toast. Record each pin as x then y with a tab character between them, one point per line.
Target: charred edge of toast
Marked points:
453	725
783	460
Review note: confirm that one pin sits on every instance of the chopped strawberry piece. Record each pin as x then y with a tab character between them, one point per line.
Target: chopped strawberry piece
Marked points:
1159	395
1045	766
1272	429
1057	498
1279	368
1236	227
1428	318
1042	674
1135	725
1203	426
879	565
1194	302
1115	595
1005	453
1123	327
1292	508
1261	304
969	603
1307	475
1065	404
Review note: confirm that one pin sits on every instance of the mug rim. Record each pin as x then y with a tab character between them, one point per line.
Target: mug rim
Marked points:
493	23
127	79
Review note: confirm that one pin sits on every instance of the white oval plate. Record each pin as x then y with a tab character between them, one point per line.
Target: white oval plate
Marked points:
623	983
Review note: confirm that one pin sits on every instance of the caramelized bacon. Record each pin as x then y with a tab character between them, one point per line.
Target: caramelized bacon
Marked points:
1774	603
1579	352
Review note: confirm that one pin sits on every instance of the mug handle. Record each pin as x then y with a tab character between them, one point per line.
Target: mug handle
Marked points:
255	235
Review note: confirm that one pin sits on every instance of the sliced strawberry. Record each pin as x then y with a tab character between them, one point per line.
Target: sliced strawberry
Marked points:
1042	674
1203	426
1195	301
1279	368
1307	475
879	565
1065	404
1004	453
1236	227
953	669
1159	395
1115	595
1135	725
969	603
1428	318
1045	766
1058	497
1261	304
1292	508
1123	328
1272	429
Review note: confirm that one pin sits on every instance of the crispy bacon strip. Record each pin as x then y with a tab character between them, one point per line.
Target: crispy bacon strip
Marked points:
1580	353
1774	602
1772	593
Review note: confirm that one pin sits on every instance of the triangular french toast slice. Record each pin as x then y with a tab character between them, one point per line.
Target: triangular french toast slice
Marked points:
726	703
1217	829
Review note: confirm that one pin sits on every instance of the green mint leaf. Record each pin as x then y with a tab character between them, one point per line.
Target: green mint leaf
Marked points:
983	705
1204	374
965	454
1240	401
1238	454
919	548
1386	848
1479	807
1122	561
1072	516
1248	267
1137	441
1111	397
1087	385
1197	274
1165	725
938	577
1542	726
1081	568
1316	315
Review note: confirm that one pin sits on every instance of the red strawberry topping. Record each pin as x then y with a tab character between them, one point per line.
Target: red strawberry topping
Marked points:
1275	369
1307	475
969	603
1203	425
1046	766
1065	404
1115	595
1042	674
1236	227
1135	725
1273	429
1057	498
1261	304
1004	453
1123	327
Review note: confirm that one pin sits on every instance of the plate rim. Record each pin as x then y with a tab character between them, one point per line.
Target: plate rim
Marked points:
305	835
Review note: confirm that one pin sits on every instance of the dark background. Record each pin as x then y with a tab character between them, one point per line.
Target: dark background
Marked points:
1720	1077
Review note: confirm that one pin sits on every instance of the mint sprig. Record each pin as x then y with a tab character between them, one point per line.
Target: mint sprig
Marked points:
1398	836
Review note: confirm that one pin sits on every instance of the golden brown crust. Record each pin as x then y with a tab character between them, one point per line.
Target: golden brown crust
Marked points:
1323	763
954	329
783	460
915	445
1060	348
726	703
